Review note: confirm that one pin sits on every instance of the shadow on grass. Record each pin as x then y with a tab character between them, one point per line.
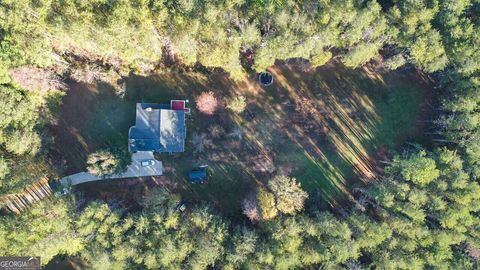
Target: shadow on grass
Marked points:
353	114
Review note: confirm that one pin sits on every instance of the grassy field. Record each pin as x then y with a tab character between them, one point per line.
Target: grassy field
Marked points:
326	127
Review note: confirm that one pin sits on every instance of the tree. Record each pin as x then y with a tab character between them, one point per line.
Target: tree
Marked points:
4	168
44	230
241	246
22	143
237	104
425	188
413	22
360	54
417	168
395	62
251	208
428	52
289	195
206	103
19	120
320	58
266	203
103	163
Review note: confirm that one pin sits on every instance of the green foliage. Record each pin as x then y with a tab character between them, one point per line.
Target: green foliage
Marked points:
360	55
395	62
103	162
320	58
421	214
417	168
461	123
20	141
4	168
428	52
266	202
450	201
289	195
19	120
242	245
45	230
460	35
237	104
135	35
413	20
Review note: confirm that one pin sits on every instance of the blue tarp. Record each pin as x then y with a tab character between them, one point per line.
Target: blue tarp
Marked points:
196	176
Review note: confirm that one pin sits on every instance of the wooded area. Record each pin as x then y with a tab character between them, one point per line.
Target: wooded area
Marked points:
423	212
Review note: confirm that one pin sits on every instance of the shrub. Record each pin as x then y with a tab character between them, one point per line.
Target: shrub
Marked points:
395	62
103	162
237	104
207	103
288	194
360	54
320	58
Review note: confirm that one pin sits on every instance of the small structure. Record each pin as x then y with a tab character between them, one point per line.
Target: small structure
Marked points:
198	175
265	78
179	105
159	128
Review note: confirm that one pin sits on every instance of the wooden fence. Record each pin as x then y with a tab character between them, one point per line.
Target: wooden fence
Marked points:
32	194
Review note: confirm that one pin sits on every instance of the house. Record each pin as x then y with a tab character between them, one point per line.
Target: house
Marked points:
159	128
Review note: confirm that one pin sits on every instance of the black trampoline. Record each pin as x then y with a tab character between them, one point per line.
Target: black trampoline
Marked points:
265	78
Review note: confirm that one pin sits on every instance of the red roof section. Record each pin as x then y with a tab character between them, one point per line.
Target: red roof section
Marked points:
178	105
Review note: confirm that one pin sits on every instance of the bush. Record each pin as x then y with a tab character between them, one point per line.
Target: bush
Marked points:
237	104
320	58
395	62
103	162
207	103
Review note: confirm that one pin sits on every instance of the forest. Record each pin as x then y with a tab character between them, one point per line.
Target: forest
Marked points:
421	211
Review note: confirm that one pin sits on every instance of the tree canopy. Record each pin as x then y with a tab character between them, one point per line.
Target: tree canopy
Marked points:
423	212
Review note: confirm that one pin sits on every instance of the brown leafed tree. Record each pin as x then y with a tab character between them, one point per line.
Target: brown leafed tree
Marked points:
207	103
250	208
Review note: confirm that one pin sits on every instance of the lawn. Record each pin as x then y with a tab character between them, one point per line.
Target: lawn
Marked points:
327	127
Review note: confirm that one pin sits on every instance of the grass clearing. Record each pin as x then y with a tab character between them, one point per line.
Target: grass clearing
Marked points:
325	127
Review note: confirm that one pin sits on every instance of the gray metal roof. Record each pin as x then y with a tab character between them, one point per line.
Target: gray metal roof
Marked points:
157	128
